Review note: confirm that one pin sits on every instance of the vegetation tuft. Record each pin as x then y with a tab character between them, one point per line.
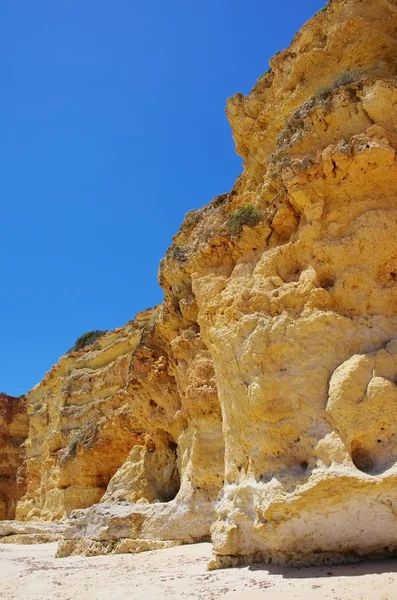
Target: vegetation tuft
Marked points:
86	339
343	79
245	215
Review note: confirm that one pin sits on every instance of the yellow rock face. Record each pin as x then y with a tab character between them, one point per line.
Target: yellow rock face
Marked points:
259	402
108	423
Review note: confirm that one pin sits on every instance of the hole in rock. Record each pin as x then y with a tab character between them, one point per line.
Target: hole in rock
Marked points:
362	459
326	282
290	272
170	494
163	473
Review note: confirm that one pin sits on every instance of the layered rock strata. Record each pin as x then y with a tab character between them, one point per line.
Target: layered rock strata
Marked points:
257	404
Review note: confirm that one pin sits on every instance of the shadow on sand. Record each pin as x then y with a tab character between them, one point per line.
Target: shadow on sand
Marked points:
374	567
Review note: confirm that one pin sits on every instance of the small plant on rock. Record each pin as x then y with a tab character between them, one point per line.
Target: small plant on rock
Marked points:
245	215
343	79
86	339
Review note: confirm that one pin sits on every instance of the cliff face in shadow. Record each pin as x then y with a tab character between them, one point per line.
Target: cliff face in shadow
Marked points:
256	405
13	433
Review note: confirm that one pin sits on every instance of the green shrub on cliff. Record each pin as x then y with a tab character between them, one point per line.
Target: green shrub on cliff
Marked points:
245	215
344	78
86	339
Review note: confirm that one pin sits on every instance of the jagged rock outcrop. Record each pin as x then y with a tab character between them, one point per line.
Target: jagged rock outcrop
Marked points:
109	423
13	433
77	418
132	418
259	400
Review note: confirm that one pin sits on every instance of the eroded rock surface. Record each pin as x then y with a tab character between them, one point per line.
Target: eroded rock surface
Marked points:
257	403
113	423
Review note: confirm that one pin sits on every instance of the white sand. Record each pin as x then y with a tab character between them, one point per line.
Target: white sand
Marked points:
32	573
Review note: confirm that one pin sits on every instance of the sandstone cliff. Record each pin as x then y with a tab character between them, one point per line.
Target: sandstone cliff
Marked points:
108	422
256	405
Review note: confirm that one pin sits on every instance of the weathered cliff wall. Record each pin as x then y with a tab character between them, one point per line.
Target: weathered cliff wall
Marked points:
13	433
291	281
267	379
108	422
131	421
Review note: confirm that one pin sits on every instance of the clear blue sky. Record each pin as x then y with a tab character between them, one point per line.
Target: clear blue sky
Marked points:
113	127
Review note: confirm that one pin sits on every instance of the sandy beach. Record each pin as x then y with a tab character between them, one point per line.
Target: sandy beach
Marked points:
32	572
